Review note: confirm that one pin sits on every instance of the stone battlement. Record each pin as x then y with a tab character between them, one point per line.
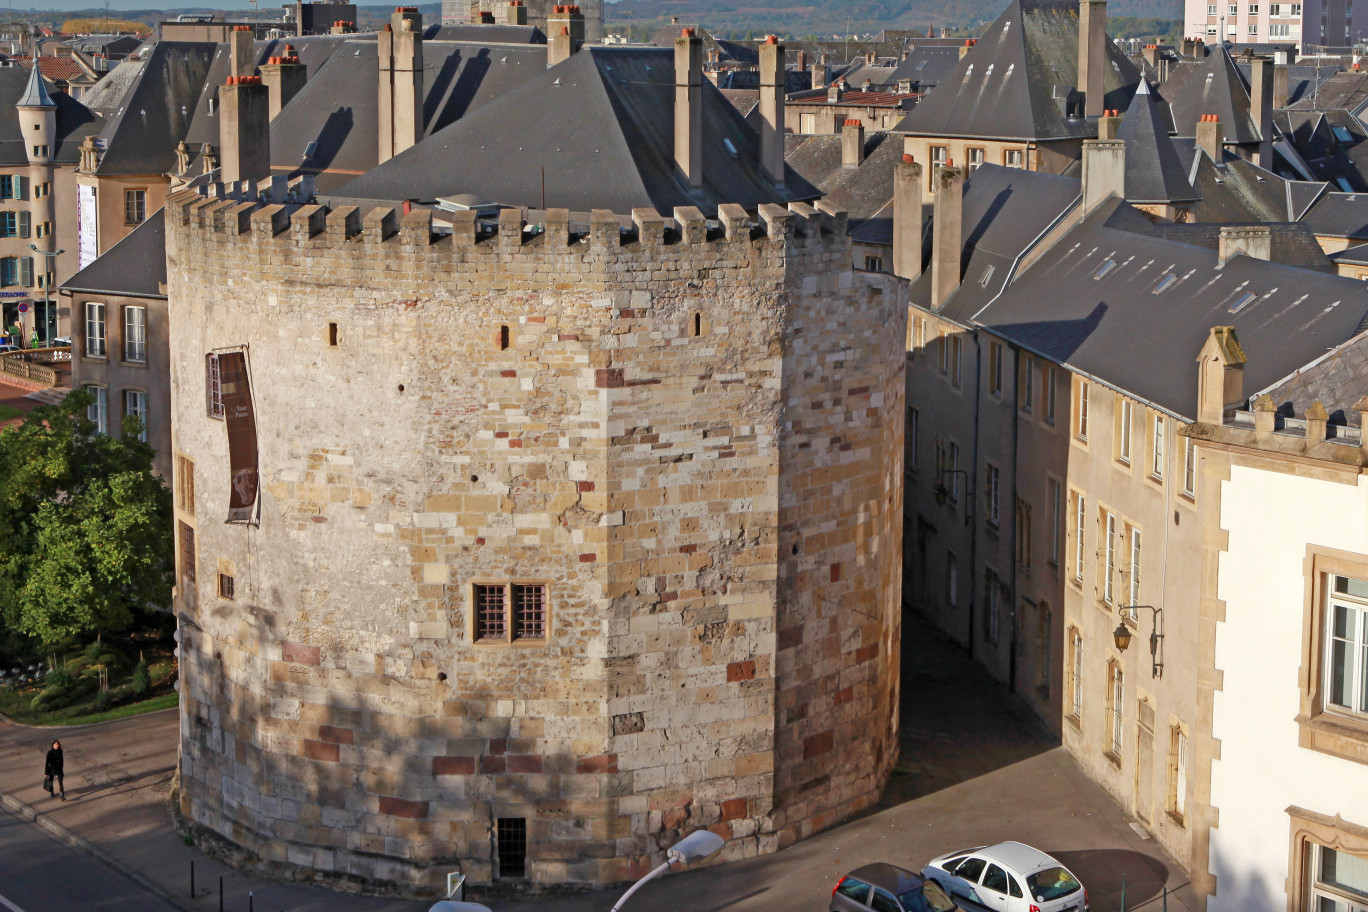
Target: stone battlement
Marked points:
242	216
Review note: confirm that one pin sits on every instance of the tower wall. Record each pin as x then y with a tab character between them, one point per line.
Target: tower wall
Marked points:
692	439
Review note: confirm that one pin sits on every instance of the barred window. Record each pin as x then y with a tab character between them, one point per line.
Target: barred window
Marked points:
185	484
529	612
510	842
213	387
226	585
490	617
187	555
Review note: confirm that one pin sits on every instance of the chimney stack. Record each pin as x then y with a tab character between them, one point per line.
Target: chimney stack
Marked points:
907	218
947	225
283	77
1251	240
343	27
1151	54
240	45
1261	108
1108	124
835	91
852	143
400	49
515	13
1092	55
1220	382
566	27
1211	137
772	109
688	108
1104	170
1280	88
802	61
964	48
819	75
244	129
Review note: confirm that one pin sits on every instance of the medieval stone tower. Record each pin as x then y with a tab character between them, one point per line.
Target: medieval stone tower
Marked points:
569	538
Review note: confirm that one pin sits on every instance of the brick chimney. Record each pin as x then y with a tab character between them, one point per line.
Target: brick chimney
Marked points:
772	109
688	108
566	27
283	77
1261	107
834	92
1211	137
1220	375
244	129
400	49
1092	55
1108	124
1151	54
802	61
1251	240
515	13
907	218
343	27
852	143
947	225
1104	170
240	46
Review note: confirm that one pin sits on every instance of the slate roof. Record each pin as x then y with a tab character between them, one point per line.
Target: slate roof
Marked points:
1005	212
1340	215
1303	82
1154	173
1006	86
140	137
74	121
1293	244
485	34
458	80
1340	90
927	66
107	95
616	152
134	266
35	91
1101	321
1239	191
865	192
1213	86
1312	136
1337	380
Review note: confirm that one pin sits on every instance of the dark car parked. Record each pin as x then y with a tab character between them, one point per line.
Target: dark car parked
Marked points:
888	888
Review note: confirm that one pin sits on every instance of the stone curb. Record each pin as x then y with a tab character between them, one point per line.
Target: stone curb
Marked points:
66	728
55	829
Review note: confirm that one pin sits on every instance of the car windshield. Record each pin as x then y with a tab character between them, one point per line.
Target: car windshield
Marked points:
1051	883
927	898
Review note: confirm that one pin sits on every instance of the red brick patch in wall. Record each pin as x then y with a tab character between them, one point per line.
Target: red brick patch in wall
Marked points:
588	558
321	750
816	745
402	807
536	319
858	390
336	735
524	763
836	573
734	809
512	373
741	671
844	695
298	652
453	766
585	486
493	764
865	653
609	378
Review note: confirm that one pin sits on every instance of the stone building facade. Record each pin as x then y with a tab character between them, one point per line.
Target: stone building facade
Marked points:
568	542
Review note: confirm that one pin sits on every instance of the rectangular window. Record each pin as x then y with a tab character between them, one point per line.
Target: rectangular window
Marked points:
226	586
943	352
1109	564
1117	687
135	207
1027	382
510	842
993	483
1234	9
995	369
491	618
1056	494
529	612
913	437
1075	673
9	271
213	387
1189	467
956	350
1341	881
9	224
1296	10
1023	535
873	264
187	554
1253	28
1134	567
953	459
135	405
1157	449
1124	432
921	335
185	484
1081	414
1211	9
1013	158
1179	773
973	159
939	155
8	188
1080	521
98	411
95	330
1279	31
1049	391
135	334
1346	648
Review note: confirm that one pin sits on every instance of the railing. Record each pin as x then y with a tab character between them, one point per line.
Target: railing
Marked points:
49	354
14	365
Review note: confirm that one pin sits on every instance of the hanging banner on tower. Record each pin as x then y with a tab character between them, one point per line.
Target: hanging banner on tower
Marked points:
242	435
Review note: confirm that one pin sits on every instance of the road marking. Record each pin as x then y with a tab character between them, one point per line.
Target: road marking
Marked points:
9	905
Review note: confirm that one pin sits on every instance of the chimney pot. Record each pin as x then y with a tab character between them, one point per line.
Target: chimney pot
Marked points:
771	39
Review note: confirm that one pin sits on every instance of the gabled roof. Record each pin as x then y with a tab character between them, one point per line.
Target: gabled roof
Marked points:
1337	380
1339	90
615	152
1154	173
1340	215
926	66
1214	86
63	69
1239	191
141	136
1094	302
1013	83
35	91
107	96
135	266
864	191
485	34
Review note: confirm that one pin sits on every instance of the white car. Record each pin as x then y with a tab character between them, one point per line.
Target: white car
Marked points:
1008	877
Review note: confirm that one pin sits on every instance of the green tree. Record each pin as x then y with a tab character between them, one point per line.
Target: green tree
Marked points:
85	527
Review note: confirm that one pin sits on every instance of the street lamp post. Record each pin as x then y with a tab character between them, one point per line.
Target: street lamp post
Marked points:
697	847
47	290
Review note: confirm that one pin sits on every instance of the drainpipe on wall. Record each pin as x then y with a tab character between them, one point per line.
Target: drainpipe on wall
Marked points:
971	491
1016	565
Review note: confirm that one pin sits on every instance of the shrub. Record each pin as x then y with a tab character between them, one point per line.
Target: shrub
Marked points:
142	680
59	679
39	703
104	699
93	651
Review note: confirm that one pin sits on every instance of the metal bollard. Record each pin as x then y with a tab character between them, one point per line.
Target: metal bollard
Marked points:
192	878
220	893
250	904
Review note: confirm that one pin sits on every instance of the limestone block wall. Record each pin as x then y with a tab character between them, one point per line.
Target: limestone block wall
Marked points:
691	437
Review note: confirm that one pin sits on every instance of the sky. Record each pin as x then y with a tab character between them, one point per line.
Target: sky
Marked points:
68	5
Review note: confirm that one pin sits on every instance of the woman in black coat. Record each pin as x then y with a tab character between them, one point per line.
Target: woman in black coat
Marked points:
53	770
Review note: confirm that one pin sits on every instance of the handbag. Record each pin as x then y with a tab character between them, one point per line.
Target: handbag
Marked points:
47	784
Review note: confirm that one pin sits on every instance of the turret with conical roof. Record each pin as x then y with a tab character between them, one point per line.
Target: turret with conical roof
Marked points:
37	118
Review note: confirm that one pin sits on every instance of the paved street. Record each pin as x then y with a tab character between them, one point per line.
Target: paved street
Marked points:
975	769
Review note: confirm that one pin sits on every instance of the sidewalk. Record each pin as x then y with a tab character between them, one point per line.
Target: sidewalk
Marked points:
975	769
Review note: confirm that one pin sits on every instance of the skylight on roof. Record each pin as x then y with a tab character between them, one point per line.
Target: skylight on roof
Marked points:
1244	301
1342	134
1010	67
1165	284
987	276
1106	268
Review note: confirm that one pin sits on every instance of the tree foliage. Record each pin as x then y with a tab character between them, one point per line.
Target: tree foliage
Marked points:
104	27
85	527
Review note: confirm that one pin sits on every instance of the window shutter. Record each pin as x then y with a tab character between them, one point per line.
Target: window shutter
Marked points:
20	185
24	224
26	272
